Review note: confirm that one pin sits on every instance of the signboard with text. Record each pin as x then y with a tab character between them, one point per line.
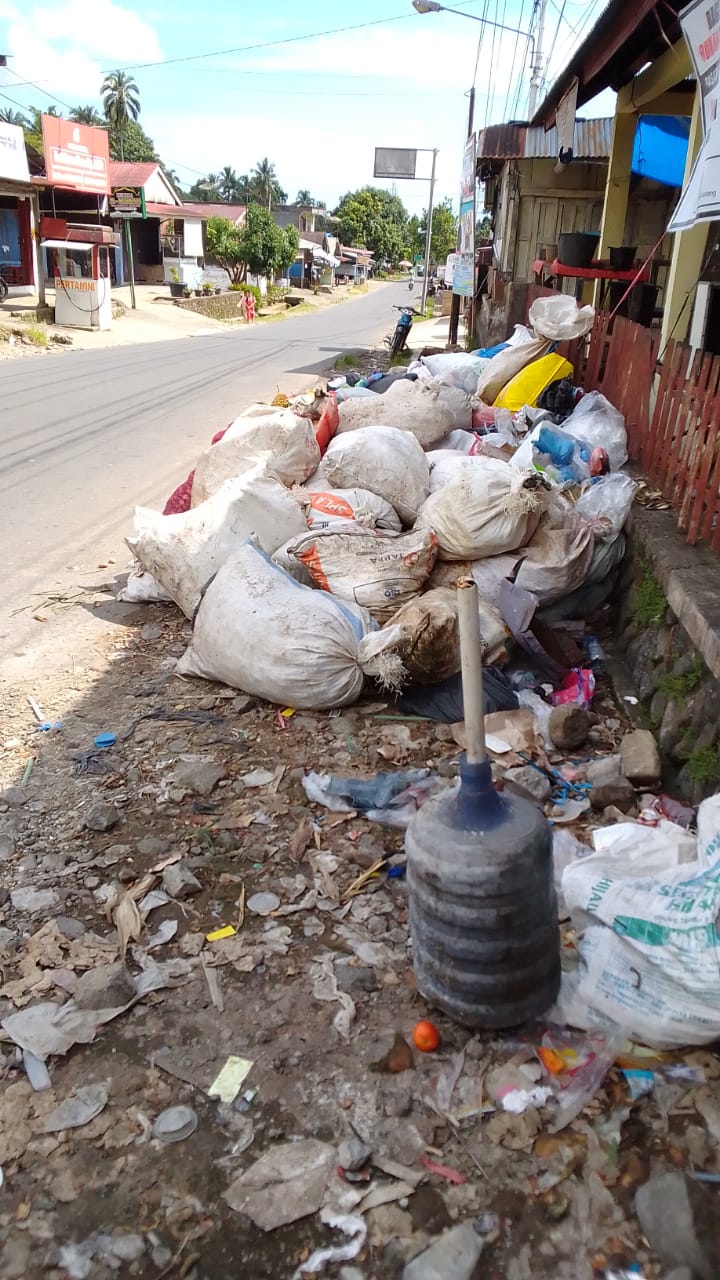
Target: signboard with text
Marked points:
13	156
700	200
77	156
464	276
127	202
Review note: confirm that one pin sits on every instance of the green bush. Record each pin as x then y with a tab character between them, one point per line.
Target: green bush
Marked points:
248	288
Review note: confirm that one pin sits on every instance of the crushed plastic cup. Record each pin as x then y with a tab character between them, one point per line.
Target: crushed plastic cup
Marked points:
175	1124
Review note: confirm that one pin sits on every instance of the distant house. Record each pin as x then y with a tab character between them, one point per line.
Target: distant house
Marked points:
302	216
355	264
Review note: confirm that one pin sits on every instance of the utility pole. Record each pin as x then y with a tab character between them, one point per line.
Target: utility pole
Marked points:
455	304
536	69
428	235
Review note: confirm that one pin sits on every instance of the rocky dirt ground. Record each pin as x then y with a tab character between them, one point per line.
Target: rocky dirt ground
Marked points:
201	798
195	821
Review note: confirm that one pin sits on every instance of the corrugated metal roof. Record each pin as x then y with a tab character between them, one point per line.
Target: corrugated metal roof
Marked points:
515	141
131	173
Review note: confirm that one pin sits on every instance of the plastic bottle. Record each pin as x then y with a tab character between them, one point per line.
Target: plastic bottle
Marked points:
596	654
483	909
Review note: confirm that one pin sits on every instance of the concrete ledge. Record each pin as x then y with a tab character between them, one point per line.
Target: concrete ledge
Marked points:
689	577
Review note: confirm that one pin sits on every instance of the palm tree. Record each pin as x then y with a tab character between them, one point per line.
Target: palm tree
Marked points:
121	100
87	115
265	181
303	197
8	116
228	184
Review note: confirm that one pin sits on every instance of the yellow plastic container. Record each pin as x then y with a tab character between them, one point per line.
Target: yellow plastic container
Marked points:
531	381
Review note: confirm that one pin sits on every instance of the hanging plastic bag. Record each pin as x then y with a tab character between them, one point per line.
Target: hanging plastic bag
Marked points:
597	422
606	504
559	318
259	631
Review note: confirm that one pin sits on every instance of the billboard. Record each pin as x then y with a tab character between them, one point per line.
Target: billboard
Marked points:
464	277
76	156
13	156
394	162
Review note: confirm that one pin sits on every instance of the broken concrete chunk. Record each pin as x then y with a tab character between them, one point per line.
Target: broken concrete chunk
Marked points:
200	779
287	1182
604	769
530	780
680	1219
568	727
102	817
108	987
640	758
34	900
353	1154
619	793
453	1256
179	881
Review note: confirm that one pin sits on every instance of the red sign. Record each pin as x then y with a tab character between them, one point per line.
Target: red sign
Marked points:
76	155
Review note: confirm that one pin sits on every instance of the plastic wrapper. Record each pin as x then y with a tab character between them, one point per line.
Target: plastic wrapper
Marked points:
577	687
606	504
598	423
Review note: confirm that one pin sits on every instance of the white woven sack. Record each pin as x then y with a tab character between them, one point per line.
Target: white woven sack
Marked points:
411	406
183	551
377	571
261	632
384	460
276	437
487	509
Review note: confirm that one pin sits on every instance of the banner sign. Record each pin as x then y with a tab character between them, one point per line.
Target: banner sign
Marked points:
394	162
700	200
77	156
127	202
464	275
13	156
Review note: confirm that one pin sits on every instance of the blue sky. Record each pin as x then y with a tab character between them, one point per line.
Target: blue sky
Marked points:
316	106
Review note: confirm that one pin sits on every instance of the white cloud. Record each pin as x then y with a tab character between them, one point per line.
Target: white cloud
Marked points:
64	47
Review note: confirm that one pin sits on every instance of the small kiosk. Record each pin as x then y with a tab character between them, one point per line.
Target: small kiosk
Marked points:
81	274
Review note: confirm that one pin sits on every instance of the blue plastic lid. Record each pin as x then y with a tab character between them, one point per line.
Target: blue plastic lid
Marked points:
105	740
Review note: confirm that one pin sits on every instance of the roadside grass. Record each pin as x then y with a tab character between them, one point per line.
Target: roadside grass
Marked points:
37	335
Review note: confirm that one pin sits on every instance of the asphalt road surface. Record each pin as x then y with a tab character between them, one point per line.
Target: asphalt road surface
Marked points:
86	435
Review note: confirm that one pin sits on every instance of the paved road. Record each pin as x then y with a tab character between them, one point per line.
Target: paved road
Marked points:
84	436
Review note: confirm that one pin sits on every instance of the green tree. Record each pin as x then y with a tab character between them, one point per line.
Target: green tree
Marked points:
131	143
374	219
443	238
415	241
87	115
259	246
121	101
265	186
228	184
8	116
33	127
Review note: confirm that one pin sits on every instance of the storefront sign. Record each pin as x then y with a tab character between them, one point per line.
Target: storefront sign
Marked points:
451	263
464	277
127	202
13	157
76	156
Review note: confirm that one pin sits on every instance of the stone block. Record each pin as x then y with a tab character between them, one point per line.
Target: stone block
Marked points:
453	1256
640	759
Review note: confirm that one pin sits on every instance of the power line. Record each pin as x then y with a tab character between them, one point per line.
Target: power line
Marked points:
273	44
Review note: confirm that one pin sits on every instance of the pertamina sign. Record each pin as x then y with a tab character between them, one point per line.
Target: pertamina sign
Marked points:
76	155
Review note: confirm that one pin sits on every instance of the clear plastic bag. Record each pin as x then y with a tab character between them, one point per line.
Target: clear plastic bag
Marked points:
597	422
606	504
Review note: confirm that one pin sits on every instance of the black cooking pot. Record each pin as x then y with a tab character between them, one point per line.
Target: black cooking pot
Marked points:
577	248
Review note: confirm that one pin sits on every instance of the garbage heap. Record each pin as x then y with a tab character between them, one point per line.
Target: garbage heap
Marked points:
317	543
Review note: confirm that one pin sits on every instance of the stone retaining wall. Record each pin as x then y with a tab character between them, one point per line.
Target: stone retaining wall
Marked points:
223	306
674	682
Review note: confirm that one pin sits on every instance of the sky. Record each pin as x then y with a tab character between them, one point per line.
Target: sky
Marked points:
315	104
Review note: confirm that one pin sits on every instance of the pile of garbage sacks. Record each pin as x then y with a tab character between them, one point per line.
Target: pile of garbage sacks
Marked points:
317	543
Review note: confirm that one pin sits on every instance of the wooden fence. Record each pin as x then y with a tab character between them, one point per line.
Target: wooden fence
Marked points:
671	404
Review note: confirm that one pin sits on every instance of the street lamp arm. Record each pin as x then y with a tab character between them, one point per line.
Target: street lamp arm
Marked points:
429	6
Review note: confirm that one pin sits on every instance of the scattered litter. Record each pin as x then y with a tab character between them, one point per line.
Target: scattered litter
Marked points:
263	904
175	1124
325	988
83	1106
227	931
443	1171
226	1085
36	1072
351	1226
